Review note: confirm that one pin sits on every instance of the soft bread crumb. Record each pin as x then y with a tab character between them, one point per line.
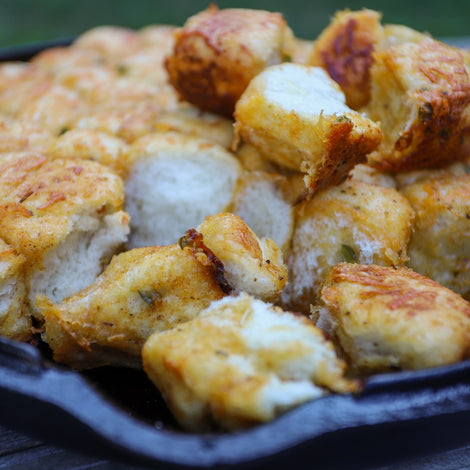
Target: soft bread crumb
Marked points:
296	116
174	181
241	362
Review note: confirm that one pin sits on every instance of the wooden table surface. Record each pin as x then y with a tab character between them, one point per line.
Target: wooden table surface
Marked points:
18	452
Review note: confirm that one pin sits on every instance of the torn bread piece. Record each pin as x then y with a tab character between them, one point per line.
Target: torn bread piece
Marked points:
190	120
241	362
111	42
217	53
54	109
64	216
128	120
251	264
394	34
90	144
421	96
261	202
174	180
140	291
147	62
155	289
354	222
439	247
20	135
345	50
296	116
15	322
391	318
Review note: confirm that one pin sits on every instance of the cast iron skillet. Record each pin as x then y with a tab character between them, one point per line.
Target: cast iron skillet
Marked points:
118	414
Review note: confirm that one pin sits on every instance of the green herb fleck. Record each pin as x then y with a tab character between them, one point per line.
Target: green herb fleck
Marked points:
342	118
121	69
348	254
149	296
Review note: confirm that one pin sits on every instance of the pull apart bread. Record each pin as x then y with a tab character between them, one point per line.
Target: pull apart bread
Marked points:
240	362
416	87
218	52
64	217
156	288
173	181
358	221
296	116
387	318
249	174
439	246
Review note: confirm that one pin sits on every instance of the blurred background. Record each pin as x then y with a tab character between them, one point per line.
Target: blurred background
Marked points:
23	21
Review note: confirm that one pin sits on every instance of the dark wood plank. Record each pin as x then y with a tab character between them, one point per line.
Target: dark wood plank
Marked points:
18	452
11	442
44	457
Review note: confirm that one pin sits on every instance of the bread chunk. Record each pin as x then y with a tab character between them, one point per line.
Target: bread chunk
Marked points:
295	116
372	175
15	323
301	50
241	362
64	216
22	87
140	291
20	135
251	264
354	222
260	201
218	52
420	95
111	42
190	120
394	34
174	181
57	60
55	109
388	318
129	120
439	247
147	62
345	50
90	145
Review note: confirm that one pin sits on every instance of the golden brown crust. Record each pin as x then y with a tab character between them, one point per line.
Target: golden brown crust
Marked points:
420	94
218	52
15	323
345	49
386	318
39	198
250	264
241	362
439	245
90	144
141	291
354	221
295	116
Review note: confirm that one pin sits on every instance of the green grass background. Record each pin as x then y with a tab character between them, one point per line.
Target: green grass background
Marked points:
23	21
